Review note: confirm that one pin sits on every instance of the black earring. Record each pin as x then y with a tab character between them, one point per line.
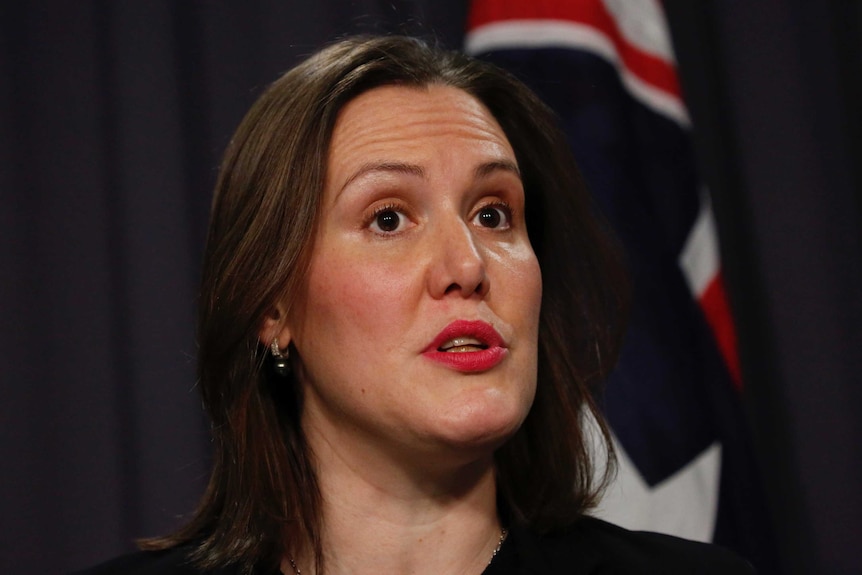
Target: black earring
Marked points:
279	359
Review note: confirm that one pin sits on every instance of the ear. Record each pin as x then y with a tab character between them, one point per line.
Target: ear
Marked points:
275	326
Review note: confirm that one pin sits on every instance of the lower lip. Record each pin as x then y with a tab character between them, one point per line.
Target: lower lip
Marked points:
468	361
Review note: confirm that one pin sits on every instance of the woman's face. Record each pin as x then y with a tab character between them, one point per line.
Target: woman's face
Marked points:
417	329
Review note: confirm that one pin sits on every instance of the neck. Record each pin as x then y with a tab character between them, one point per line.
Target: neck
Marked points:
383	516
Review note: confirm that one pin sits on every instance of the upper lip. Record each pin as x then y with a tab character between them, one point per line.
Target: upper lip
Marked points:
476	329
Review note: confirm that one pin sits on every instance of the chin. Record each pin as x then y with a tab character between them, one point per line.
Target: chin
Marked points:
484	425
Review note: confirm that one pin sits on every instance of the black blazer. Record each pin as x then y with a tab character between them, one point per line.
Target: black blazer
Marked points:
589	546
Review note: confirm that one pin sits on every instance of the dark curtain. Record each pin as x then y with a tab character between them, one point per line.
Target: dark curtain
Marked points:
775	94
112	119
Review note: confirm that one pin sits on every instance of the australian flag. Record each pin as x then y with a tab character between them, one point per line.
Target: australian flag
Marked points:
608	70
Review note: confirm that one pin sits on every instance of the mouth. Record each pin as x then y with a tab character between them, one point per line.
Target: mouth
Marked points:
467	346
462	345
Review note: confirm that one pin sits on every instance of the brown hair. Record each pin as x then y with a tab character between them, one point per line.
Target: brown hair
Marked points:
262	500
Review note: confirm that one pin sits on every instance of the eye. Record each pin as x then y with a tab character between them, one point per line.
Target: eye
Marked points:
494	216
387	219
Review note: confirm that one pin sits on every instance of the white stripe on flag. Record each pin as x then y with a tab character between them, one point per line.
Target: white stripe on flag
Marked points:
699	259
526	34
642	23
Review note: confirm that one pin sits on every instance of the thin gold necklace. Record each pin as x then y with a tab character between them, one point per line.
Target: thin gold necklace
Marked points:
503	533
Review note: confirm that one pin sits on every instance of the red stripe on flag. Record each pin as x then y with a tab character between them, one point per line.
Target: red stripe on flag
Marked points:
649	68
715	307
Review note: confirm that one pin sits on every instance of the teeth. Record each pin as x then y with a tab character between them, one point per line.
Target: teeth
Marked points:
460	344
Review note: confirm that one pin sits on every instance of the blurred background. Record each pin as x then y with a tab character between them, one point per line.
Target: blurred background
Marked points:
722	138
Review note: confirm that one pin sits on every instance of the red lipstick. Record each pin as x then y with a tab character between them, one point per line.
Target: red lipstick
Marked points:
473	346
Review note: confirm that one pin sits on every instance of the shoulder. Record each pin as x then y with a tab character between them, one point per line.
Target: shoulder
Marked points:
594	546
169	562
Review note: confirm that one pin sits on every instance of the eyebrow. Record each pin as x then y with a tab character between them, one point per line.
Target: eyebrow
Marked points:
396	167
488	168
482	171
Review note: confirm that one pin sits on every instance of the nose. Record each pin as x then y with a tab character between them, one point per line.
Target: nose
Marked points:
458	267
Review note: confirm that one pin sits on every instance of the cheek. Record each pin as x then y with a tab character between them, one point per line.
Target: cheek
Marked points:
523	277
353	298
531	298
532	275
354	316
527	276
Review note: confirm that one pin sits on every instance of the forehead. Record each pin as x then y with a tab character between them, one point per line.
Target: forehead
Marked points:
405	122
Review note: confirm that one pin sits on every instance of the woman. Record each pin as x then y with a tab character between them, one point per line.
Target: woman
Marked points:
406	305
